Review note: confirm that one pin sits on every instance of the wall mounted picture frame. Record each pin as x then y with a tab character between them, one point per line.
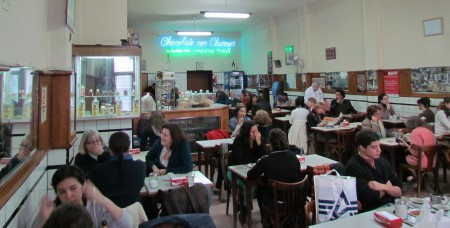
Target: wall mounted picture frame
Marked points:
330	53
199	66
433	27
70	15
289	54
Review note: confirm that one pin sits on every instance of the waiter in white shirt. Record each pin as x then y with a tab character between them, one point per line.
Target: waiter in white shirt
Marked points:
314	91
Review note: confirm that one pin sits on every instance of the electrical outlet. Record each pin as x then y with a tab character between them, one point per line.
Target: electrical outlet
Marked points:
6	5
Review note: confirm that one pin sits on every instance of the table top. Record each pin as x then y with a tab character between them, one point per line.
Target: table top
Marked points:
164	184
394	121
336	128
209	144
390	141
365	220
277	111
283	118
310	160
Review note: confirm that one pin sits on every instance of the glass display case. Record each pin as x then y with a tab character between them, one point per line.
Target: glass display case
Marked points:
107	86
430	79
16	94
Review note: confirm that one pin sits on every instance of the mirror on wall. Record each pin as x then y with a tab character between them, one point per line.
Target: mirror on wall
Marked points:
18	128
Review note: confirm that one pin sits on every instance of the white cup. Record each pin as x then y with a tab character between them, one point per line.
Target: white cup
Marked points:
191	178
401	208
153	180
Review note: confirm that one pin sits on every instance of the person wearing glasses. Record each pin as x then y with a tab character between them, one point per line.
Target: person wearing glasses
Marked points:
26	146
92	151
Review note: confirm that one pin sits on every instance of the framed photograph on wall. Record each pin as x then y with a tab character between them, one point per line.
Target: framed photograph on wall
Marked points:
70	15
289	54
433	27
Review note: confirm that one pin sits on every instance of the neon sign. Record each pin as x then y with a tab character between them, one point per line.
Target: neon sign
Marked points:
197	45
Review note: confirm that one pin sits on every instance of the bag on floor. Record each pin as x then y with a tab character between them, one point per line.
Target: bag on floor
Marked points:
335	196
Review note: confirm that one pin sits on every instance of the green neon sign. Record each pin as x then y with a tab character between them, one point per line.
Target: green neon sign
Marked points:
197	45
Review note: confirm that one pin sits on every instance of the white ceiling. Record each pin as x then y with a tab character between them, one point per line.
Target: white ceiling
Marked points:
177	15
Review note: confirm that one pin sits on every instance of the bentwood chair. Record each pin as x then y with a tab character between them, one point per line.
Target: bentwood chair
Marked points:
224	154
418	171
288	204
344	143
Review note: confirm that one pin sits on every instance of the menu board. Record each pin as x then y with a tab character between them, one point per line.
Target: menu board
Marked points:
391	83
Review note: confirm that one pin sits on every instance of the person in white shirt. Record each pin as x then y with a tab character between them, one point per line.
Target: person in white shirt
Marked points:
314	91
441	119
300	113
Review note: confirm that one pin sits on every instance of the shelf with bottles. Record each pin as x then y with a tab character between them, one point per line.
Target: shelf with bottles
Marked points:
430	79
108	107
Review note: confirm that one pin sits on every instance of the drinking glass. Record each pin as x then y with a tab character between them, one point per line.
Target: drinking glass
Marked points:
191	178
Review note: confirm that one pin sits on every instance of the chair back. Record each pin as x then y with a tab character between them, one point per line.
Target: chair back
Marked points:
289	202
224	154
430	153
345	137
137	213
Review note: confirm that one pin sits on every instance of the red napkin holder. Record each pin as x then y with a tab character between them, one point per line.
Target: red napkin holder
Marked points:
135	151
301	159
178	181
388	219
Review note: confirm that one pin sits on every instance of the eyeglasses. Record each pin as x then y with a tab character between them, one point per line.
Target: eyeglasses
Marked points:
93	142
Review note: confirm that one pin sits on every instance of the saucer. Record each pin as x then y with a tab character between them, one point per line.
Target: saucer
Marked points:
441	206
414	212
416	200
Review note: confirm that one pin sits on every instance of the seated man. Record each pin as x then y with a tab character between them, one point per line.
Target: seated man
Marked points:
376	184
340	105
283	99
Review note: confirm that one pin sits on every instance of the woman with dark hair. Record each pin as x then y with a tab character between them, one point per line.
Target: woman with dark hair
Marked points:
221	97
442	121
269	166
247	148
121	179
340	105
264	122
426	115
235	123
70	186
91	151
170	153
69	215
386	108
421	135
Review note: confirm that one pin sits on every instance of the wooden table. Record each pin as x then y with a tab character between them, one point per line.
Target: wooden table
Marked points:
327	131
164	184
288	107
240	172
280	112
394	123
282	123
208	147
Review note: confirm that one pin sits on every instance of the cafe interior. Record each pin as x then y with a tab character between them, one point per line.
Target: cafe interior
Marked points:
70	67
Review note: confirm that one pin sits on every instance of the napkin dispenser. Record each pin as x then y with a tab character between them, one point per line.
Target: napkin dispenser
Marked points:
178	181
388	219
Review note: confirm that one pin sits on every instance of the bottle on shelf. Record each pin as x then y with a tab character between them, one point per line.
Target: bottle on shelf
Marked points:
125	92
136	108
95	107
81	108
8	109
91	93
119	107
26	110
82	91
97	92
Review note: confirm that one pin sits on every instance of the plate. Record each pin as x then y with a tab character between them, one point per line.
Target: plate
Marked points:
416	200
414	212
441	206
250	165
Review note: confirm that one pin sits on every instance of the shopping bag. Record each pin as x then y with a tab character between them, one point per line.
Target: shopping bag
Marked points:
335	196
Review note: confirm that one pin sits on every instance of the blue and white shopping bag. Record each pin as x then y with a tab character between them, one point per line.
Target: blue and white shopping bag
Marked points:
335	196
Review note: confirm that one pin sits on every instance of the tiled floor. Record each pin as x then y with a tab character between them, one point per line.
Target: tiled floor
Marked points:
217	209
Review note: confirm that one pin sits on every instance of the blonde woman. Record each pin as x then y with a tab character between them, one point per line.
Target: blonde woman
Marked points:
92	151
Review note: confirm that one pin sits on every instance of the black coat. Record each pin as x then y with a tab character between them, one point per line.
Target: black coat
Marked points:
86	162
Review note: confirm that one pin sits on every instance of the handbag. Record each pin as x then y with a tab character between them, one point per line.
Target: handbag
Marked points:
335	196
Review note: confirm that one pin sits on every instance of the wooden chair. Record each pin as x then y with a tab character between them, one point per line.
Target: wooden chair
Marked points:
288	203
344	139
224	154
310	211
418	171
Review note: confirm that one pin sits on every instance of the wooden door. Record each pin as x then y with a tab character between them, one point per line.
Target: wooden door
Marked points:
199	80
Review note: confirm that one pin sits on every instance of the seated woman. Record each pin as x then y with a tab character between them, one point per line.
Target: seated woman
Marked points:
171	153
264	122
373	122
26	146
421	135
386	108
151	131
239	116
424	105
121	178
316	116
269	166
442	117
247	148
91	151
71	187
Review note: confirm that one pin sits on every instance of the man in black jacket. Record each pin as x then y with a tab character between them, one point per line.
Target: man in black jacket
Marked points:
340	105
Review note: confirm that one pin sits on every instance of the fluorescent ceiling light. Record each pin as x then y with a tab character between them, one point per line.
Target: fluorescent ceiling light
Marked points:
225	15
193	33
